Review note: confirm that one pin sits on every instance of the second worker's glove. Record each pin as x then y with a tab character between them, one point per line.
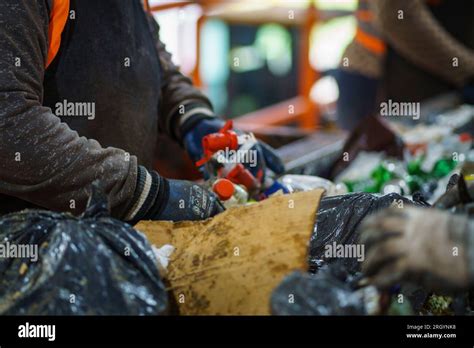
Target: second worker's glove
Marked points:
429	247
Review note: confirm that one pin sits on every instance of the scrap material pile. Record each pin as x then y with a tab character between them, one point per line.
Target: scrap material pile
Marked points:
247	260
275	250
431	154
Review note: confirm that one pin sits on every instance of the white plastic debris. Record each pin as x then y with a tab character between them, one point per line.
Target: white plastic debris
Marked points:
163	255
296	183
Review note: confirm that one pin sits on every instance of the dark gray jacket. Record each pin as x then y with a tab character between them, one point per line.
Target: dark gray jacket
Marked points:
110	61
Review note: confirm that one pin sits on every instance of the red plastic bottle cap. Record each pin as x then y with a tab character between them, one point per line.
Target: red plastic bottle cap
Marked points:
464	137
224	189
220	141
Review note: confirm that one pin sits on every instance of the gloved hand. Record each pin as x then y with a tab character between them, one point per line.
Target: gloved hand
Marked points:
265	158
158	198
458	193
417	245
189	201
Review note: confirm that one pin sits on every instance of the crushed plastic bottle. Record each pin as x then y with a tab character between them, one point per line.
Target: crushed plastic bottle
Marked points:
297	183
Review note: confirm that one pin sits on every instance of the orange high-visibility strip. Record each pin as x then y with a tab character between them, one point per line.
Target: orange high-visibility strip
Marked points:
372	43
57	22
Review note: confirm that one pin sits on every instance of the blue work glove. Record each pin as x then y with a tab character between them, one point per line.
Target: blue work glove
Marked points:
189	201
158	198
266	156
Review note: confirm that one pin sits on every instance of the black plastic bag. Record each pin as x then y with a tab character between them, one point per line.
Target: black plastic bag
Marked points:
329	292
338	218
88	265
335	291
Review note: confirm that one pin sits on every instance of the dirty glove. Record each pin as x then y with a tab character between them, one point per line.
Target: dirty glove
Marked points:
157	198
426	246
458	193
192	138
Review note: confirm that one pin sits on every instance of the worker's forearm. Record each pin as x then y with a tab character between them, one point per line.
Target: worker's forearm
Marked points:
183	102
46	163
421	39
180	100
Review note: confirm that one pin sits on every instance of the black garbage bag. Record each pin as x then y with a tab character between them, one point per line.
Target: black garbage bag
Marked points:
338	218
329	292
87	265
335	291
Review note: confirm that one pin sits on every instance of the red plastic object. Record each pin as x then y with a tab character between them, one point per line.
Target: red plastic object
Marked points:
242	176
224	189
212	143
464	137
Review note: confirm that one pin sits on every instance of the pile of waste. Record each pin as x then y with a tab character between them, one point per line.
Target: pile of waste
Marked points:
286	245
431	154
421	171
417	165
231	176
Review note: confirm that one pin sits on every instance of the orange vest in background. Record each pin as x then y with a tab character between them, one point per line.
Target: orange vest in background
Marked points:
366	33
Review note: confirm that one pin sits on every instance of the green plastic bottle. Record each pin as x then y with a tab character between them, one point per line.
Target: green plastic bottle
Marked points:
378	178
443	167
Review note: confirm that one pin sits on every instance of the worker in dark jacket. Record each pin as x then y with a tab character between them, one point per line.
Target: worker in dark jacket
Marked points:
405	51
94	111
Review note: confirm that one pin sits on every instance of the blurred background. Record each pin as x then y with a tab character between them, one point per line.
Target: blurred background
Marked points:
264	63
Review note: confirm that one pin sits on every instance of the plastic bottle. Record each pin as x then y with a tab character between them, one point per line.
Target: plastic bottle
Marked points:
229	193
296	183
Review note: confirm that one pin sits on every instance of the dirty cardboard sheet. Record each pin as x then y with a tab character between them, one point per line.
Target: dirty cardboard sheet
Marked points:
230	264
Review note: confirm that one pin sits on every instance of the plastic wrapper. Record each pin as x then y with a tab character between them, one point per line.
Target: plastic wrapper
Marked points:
87	265
337	220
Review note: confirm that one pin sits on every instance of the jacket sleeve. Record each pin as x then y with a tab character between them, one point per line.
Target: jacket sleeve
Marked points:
421	39
42	160
180	100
